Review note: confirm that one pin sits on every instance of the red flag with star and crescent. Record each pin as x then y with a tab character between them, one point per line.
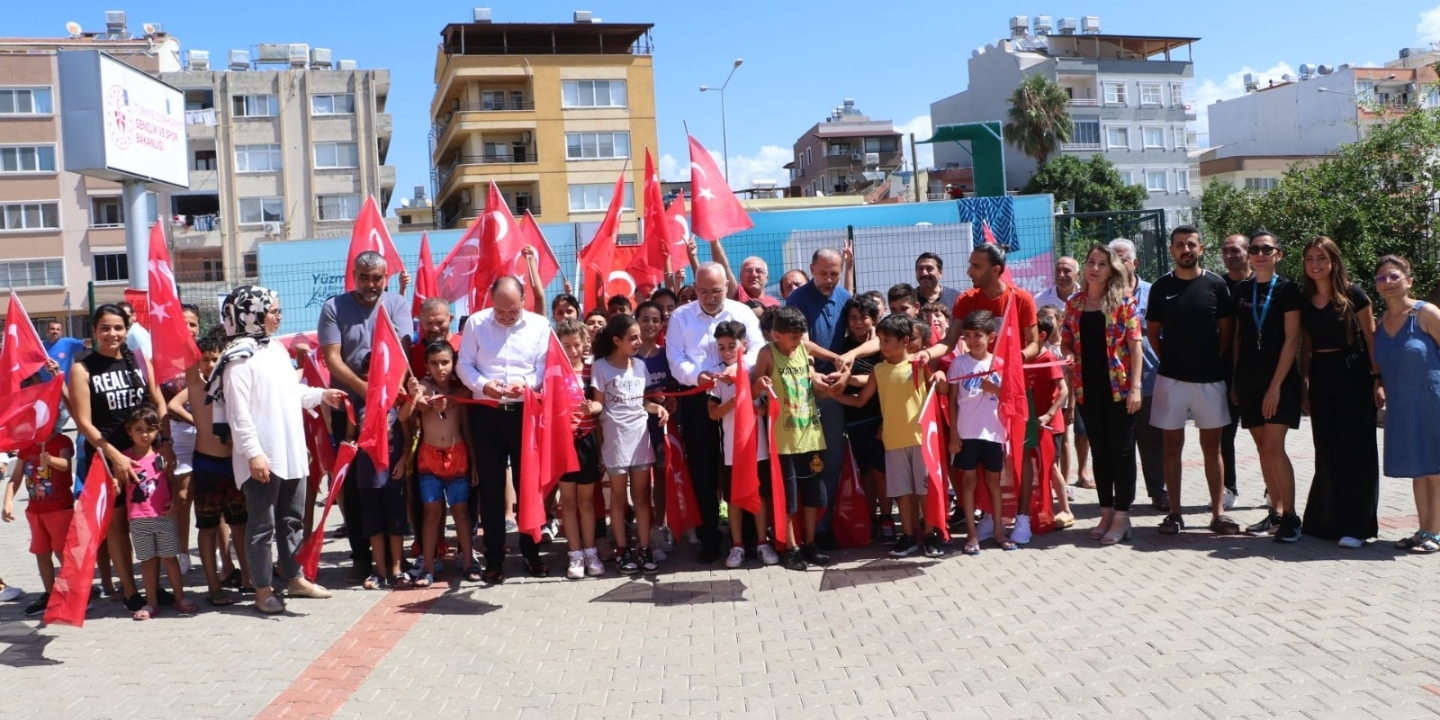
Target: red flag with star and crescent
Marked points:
387	370
1014	410
678	233
308	555
23	354
500	245
454	276
933	448
599	256
648	265
546	429
27	415
427	285
745	482
173	345
369	234
715	212
71	593
545	262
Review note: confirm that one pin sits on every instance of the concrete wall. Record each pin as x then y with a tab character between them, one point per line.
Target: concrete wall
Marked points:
1292	119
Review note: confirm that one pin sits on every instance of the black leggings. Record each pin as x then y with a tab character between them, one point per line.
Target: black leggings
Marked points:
1112	449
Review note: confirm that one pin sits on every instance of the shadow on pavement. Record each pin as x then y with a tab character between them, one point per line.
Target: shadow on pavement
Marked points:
684	592
872	573
26	648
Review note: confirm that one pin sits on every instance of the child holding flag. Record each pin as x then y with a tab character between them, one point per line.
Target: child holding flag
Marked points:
730	346
902	395
577	489
45	470
977	437
152	526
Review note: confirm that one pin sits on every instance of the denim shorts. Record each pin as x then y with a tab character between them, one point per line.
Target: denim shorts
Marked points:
453	492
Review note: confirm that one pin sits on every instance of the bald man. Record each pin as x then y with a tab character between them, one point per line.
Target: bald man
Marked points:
502	354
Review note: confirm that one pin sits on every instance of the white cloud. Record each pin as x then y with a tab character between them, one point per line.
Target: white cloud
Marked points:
1208	91
669	168
1428	29
921	127
767	164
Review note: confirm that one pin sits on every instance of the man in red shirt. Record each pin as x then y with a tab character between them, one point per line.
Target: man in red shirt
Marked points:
434	325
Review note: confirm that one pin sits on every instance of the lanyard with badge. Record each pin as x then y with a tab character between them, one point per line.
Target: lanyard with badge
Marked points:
1264	310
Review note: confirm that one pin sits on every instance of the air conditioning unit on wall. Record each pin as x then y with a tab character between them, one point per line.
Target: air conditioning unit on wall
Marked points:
272	229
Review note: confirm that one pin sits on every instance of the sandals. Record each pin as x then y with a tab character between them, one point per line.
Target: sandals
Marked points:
145	613
1224	525
185	607
1085	483
1429	543
971	548
233	580
424	581
1006	545
1409	542
374	582
1172	524
472	574
401	582
270	606
220	597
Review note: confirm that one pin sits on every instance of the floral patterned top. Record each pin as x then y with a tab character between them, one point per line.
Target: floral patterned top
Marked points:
1121	327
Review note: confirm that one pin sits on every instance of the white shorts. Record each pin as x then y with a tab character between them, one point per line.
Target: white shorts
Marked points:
1176	401
905	472
183	437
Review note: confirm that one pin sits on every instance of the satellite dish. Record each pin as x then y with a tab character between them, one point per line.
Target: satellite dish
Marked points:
149	29
73	28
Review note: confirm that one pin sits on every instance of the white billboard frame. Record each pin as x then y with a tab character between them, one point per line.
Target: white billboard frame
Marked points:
119	123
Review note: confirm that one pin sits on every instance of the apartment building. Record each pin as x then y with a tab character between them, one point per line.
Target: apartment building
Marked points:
1127	103
551	112
1301	119
59	230
847	153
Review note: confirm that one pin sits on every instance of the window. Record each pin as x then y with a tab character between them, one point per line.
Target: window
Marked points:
1365	90
595	197
1150	94
111	267
1153	137
106	211
254	211
623	239
1118	137
212	269
27	159
257	158
30	216
1182	138
337	207
1085	132
588	146
337	155
1177	94
882	144
32	273
1115	94
1182	180
1155	181
256	105
1127	177
498	151
1261	183
25	101
332	104
205	160
252	264
594	93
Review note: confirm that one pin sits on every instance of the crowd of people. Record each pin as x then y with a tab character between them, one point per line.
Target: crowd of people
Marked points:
1116	366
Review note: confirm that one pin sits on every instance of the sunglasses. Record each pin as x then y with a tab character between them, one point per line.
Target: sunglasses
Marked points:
1391	277
1263	249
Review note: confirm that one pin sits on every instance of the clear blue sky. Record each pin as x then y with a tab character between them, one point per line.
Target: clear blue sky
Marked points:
801	58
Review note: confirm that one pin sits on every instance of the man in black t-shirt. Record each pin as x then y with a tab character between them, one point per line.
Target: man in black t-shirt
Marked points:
1195	306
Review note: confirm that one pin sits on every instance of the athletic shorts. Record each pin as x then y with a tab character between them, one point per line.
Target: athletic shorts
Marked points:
587	452
905	472
977	453
804	486
182	438
383	510
453	492
154	537
48	530
1176	401
866	445
212	485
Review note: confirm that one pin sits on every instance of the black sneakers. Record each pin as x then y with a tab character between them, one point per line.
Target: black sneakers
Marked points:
629	562
38	607
904	547
647	561
795	561
1270	524
813	556
932	547
1288	529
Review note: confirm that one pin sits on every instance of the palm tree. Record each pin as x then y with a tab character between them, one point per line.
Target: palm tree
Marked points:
1039	121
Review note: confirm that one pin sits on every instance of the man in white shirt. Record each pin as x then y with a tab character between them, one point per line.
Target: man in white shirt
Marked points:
1066	272
502	353
694	361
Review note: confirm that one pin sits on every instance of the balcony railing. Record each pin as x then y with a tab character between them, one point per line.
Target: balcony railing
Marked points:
516	211
529	158
1081	147
507	106
1084	102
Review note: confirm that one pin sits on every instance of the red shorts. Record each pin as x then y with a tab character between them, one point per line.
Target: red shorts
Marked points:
48	530
446	463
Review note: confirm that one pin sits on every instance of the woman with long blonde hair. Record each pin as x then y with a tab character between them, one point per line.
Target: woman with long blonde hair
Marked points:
1343	390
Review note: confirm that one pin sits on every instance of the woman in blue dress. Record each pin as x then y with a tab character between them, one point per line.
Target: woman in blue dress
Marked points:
1407	351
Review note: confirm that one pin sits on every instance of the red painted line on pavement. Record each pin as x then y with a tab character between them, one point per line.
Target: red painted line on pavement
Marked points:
327	683
1432	688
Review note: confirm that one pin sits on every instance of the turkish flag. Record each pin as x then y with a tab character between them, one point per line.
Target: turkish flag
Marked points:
387	370
174	347
933	448
27	415
778	502
71	592
745	476
545	429
597	287
457	270
370	234
545	261
681	511
1014	409
23	354
500	245
715	211
599	256
648	265
427	285
317	436
1005	276
308	555
679	233
139	300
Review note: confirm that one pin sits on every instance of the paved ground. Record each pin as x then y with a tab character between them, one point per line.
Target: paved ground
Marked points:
1164	627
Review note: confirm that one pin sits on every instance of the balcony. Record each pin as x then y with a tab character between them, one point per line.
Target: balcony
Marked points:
1081	147
384	125
494	164
387	177
508	116
1084	102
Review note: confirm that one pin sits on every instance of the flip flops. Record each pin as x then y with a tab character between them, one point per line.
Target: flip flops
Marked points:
220	597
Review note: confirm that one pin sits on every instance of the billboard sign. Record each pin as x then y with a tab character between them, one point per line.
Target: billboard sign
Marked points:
120	123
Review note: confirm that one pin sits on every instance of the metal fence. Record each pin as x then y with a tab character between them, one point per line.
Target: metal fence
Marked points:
1076	232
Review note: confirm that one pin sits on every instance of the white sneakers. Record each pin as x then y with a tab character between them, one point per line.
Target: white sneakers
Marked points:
10	592
576	570
1352	543
593	566
985	530
736	558
768	554
1021	535
1227	500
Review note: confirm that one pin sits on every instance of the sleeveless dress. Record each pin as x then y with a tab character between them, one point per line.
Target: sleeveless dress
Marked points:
1410	364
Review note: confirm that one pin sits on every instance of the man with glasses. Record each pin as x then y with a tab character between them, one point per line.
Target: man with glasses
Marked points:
1194	306
1235	251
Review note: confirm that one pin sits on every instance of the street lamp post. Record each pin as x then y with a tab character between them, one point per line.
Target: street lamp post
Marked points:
724	133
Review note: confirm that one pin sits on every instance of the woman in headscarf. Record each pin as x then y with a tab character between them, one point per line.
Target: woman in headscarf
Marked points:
258	400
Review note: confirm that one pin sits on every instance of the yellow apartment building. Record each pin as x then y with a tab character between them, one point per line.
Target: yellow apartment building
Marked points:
552	112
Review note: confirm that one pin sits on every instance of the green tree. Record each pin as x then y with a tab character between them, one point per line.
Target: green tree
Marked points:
1374	197
1093	184
1038	121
